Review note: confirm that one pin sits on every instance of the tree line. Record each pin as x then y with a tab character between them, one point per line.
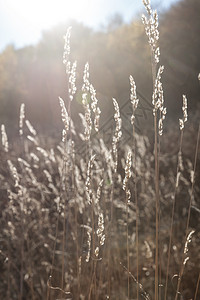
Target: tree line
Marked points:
35	75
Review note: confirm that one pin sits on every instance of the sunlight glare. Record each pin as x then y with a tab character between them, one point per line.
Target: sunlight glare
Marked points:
45	14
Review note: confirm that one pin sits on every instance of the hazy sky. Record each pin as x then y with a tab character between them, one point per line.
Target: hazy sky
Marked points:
22	21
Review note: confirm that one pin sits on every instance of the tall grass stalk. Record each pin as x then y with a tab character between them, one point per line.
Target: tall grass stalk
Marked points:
197	287
172	220
128	195
178	170
93	278
188	216
21	199
113	167
144	294
127	247
22	253
151	29
137	214
134	102
67	156
157	206
49	282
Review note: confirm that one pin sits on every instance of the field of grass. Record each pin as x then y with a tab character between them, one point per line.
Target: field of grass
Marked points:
84	218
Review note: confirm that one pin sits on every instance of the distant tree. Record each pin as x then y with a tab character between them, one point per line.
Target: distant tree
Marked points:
115	22
36	76
180	46
12	87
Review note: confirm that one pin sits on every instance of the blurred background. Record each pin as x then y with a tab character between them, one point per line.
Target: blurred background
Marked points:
107	34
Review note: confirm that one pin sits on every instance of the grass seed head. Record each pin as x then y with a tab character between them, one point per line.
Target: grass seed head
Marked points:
4	138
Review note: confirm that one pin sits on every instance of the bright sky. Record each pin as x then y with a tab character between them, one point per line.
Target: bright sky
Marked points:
22	21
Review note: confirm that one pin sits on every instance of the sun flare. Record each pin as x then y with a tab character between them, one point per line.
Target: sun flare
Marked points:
44	14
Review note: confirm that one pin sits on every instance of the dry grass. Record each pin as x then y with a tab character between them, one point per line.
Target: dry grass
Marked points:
82	219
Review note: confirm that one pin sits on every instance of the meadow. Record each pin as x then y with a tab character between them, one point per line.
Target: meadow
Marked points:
94	215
